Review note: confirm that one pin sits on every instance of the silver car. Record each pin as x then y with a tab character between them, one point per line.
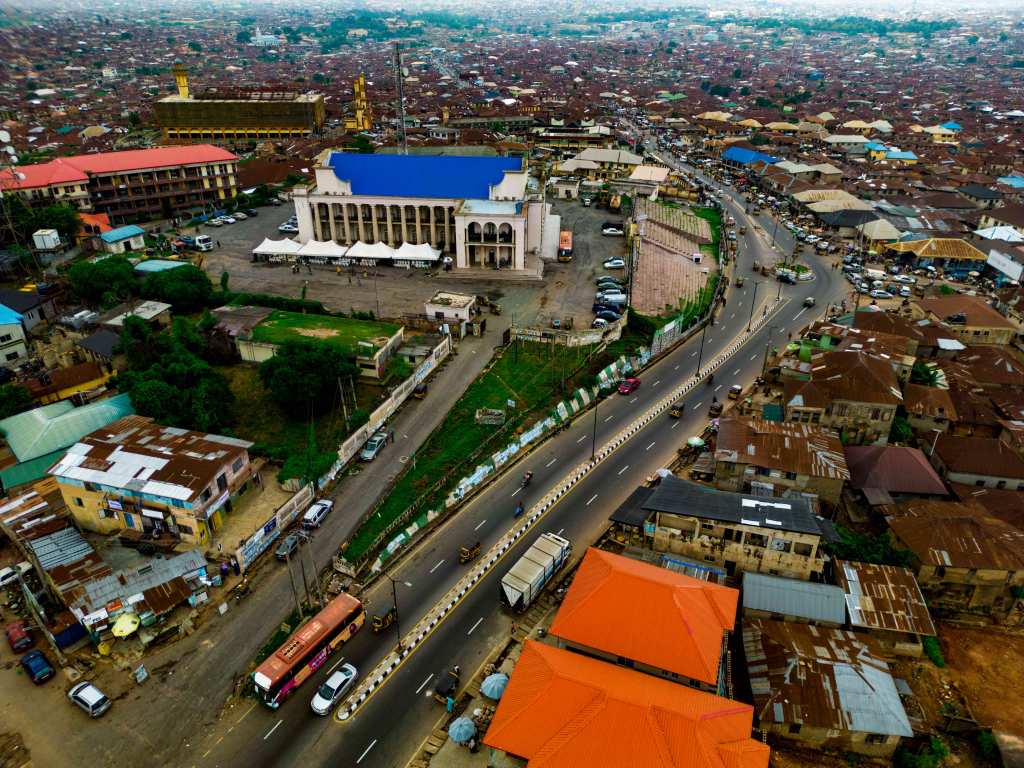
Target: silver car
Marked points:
373	446
334	689
89	698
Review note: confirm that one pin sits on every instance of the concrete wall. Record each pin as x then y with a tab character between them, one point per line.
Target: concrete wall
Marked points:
834	739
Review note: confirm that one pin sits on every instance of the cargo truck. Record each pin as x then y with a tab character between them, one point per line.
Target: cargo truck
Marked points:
524	582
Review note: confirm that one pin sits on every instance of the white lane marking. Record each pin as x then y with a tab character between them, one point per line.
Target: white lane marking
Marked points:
694	354
366	751
650	446
698	405
610	417
754	356
634	399
736	372
675	425
656	383
718	387
623	469
581	440
799	313
424	683
517	490
439	564
480	525
559	531
732	315
550	462
336	665
591	501
276	726
477	624
676	368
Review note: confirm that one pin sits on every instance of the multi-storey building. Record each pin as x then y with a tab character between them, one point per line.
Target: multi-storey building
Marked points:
129	185
152	479
475	210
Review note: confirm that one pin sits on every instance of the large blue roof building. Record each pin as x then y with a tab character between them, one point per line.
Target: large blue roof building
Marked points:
472	211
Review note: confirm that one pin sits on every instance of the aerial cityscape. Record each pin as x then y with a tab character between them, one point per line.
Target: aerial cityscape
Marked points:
562	385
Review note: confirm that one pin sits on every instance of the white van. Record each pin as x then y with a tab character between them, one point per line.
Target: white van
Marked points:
875	274
316	514
204	243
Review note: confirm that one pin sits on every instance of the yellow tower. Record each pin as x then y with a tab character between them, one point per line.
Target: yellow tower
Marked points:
181	79
362	113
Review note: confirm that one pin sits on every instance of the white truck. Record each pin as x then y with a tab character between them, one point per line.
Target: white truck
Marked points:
525	580
204	243
875	274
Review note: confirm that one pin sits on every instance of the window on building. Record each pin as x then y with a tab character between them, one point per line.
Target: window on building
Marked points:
876	738
791	475
804	550
222	481
706	526
876	414
78	502
185	529
205	495
756	539
12	355
794	728
239	463
979	483
5	338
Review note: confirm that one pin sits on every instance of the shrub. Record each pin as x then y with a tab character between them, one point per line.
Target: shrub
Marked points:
933	651
987	745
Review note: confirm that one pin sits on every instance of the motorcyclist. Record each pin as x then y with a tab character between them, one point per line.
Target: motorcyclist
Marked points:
527	478
519	509
711	378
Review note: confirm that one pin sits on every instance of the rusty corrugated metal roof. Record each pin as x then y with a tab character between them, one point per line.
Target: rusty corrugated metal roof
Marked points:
884	597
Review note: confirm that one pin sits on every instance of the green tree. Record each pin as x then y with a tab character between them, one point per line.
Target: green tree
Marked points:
195	46
133	119
900	431
14	399
303	376
924	374
170	40
867	549
24	220
92	281
186	288
243	36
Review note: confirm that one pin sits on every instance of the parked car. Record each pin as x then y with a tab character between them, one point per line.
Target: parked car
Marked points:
18	636
37	667
239	216
334	689
316	514
214	223
89	698
877	293
373	446
905	279
612	297
228	219
612	232
251	212
615	264
629	386
289	546
598	323
290	229
608	315
905	291
809	301
10	575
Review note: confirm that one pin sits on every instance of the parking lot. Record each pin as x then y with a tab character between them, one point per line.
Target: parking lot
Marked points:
566	291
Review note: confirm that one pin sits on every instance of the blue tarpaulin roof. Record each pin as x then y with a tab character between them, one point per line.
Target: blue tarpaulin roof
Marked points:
8	316
951	126
122	233
745	156
436	176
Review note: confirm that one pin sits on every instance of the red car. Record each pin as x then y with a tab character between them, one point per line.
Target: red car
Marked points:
18	636
629	386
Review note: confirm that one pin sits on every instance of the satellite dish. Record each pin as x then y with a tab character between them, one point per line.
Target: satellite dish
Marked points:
4	137
9	149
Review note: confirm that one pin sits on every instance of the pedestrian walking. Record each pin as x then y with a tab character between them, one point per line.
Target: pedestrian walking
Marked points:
391	435
449	705
218	243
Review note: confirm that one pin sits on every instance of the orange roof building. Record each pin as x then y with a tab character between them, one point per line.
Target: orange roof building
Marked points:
564	709
662	622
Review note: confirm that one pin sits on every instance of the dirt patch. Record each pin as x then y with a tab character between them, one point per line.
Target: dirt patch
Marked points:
986	665
13	752
317	333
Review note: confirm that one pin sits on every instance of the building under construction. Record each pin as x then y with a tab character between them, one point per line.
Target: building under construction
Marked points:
237	113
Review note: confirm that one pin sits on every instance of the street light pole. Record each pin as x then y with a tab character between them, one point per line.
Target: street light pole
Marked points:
753	303
767	345
700	355
394	598
593	434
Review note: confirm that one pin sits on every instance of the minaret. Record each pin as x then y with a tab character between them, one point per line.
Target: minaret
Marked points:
181	79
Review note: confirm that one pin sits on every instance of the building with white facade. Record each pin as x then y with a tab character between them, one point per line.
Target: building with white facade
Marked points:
475	210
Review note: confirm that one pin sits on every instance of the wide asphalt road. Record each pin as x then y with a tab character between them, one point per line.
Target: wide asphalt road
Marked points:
390	725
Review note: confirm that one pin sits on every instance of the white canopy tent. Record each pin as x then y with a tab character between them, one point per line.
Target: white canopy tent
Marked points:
269	248
317	249
376	251
421	252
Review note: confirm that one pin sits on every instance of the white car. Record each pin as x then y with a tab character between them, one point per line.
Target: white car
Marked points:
880	294
905	291
215	223
240	216
290	229
228	219
599	322
315	514
614	264
334	689
90	698
612	232
905	279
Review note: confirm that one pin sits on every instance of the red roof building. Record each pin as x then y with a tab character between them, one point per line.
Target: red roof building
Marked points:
132	183
564	709
664	623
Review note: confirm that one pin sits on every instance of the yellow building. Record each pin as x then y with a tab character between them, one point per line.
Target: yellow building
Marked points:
135	474
362	113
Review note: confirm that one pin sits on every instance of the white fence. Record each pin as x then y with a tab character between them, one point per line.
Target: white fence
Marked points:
268	533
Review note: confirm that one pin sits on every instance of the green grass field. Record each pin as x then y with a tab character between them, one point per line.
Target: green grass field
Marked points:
531	375
344	332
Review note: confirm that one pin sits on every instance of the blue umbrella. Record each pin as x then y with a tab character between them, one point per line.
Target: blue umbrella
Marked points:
461	730
493	686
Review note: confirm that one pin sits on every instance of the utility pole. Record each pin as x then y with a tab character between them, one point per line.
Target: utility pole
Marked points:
593	433
316	577
753	302
305	581
767	344
291	578
400	89
394	598
344	405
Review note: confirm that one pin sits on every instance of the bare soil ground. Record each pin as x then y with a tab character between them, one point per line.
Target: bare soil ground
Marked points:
988	667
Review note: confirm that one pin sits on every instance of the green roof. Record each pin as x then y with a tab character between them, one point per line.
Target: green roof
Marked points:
29	471
56	426
345	332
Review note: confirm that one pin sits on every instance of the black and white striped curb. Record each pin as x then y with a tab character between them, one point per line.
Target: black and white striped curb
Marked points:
426	625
